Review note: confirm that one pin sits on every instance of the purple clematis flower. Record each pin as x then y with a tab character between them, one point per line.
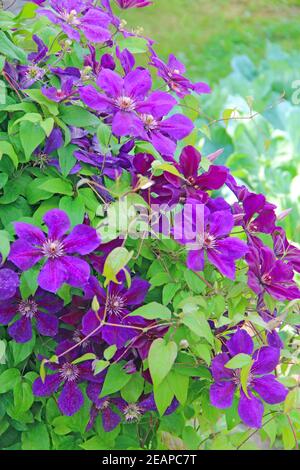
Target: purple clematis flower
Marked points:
120	302
122	100
29	74
9	283
257	215
39	309
221	249
173	74
260	379
192	182
65	92
284	250
130	412
163	133
133	3
74	16
57	249
267	274
67	375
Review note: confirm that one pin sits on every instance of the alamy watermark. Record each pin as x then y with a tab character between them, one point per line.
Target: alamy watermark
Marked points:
183	223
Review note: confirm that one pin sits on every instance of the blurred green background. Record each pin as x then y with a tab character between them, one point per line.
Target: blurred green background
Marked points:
248	51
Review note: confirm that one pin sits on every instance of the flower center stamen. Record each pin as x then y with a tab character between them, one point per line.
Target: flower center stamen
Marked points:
69	372
115	305
149	121
125	103
28	308
53	249
132	412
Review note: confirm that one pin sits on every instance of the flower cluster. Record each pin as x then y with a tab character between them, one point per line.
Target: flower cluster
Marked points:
113	136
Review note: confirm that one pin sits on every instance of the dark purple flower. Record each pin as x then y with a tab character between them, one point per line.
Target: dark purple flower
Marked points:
133	3
260	380
74	16
39	310
29	74
120	302
214	240
114	409
284	250
122	100
193	182
9	282
67	375
267	274
61	94
163	133
173	74
256	214
126	59
57	249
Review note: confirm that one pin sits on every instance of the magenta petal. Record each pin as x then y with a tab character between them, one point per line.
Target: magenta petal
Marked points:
189	161
47	325
270	390
218	369
110	82
137	292
83	240
7	312
33	235
163	144
195	260
9	282
221	223
126	123
221	394
58	223
71	399
77	269
110	419
177	126
92	98
265	360
240	342
90	323
21	330
251	410
49	386
158	104
137	83
53	275
23	255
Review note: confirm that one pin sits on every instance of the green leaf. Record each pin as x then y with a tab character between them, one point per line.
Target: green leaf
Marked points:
114	263
21	351
78	117
291	400
66	159
163	396
179	384
132	391
85	357
75	209
110	352
244	377
195	284
8	379
198	324
115	379
161	358
31	135
136	45
36	438
2	352
57	186
152	311
28	282
169	291
37	96
7	149
104	136
100	365
239	361
23	397
9	49
4	244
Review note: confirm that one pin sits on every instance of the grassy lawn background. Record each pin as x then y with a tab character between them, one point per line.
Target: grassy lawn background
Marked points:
207	33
